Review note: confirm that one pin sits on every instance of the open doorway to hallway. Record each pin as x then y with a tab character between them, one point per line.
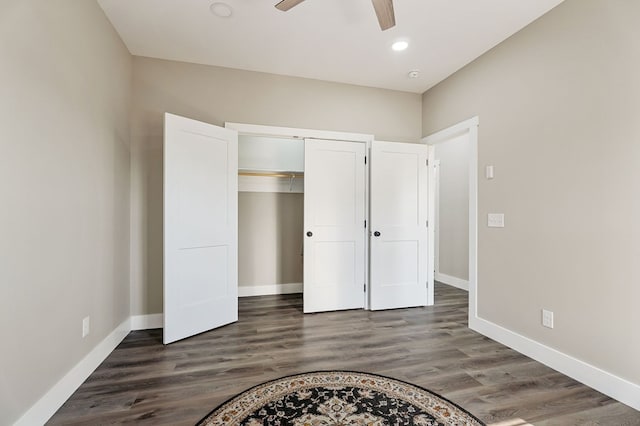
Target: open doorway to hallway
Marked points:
451	207
454	207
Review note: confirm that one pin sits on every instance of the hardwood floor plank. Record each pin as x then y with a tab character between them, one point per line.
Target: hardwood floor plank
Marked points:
145	382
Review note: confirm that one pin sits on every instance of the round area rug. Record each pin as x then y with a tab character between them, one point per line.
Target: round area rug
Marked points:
338	398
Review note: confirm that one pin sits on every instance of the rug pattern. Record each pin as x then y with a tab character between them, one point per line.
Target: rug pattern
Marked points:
338	398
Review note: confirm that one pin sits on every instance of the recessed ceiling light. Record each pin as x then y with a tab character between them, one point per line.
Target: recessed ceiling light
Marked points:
399	46
221	10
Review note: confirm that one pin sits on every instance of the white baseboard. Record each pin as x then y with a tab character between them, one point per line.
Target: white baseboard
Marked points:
615	387
147	322
452	281
607	383
266	290
46	406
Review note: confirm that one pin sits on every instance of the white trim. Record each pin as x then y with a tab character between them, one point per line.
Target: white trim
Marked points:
267	290
50	402
436	217
451	132
259	130
452	281
367	217
473	218
431	219
147	322
470	126
600	380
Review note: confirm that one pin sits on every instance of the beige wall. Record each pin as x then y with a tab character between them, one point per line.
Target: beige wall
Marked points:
558	106
270	227
64	184
216	95
452	234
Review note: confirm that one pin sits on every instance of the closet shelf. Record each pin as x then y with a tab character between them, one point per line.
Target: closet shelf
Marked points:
287	175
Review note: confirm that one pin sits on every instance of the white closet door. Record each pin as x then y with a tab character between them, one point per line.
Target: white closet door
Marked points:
334	215
399	190
200	227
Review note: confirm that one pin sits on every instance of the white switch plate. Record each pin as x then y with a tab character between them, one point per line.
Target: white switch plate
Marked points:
489	172
86	326
547	318
495	220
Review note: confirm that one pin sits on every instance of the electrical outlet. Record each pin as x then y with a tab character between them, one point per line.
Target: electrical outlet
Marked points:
86	326
547	318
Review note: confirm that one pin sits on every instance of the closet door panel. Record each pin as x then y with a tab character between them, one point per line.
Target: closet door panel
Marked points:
334	214
399	189
200	227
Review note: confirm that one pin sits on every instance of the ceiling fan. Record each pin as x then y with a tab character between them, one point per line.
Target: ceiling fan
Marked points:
383	8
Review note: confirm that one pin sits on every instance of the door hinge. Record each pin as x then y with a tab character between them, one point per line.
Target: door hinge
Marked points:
365	224
365	287
427	161
365	159
427	224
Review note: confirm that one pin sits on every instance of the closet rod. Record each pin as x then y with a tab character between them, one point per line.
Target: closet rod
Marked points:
273	174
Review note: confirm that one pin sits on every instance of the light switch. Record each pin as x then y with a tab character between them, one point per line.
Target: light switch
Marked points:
86	326
489	172
495	220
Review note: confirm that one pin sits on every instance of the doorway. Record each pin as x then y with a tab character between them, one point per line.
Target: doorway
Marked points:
326	173
452	211
455	148
201	168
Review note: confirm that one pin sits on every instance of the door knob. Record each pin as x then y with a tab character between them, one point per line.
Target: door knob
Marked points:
309	234
376	234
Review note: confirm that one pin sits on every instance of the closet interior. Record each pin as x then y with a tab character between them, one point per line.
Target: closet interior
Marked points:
270	215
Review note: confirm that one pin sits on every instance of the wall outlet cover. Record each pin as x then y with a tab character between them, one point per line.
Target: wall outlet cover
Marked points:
547	318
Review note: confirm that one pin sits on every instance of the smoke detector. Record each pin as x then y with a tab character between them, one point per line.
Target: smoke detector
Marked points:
414	74
221	10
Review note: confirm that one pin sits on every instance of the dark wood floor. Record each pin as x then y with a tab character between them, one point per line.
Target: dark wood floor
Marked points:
144	382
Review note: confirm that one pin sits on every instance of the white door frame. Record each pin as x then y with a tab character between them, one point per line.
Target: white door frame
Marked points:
296	133
469	127
436	217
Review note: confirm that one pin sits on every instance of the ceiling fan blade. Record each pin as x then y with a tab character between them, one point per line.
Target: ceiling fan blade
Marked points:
285	5
386	16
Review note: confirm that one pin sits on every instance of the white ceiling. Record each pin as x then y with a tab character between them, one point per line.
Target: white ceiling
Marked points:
334	40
